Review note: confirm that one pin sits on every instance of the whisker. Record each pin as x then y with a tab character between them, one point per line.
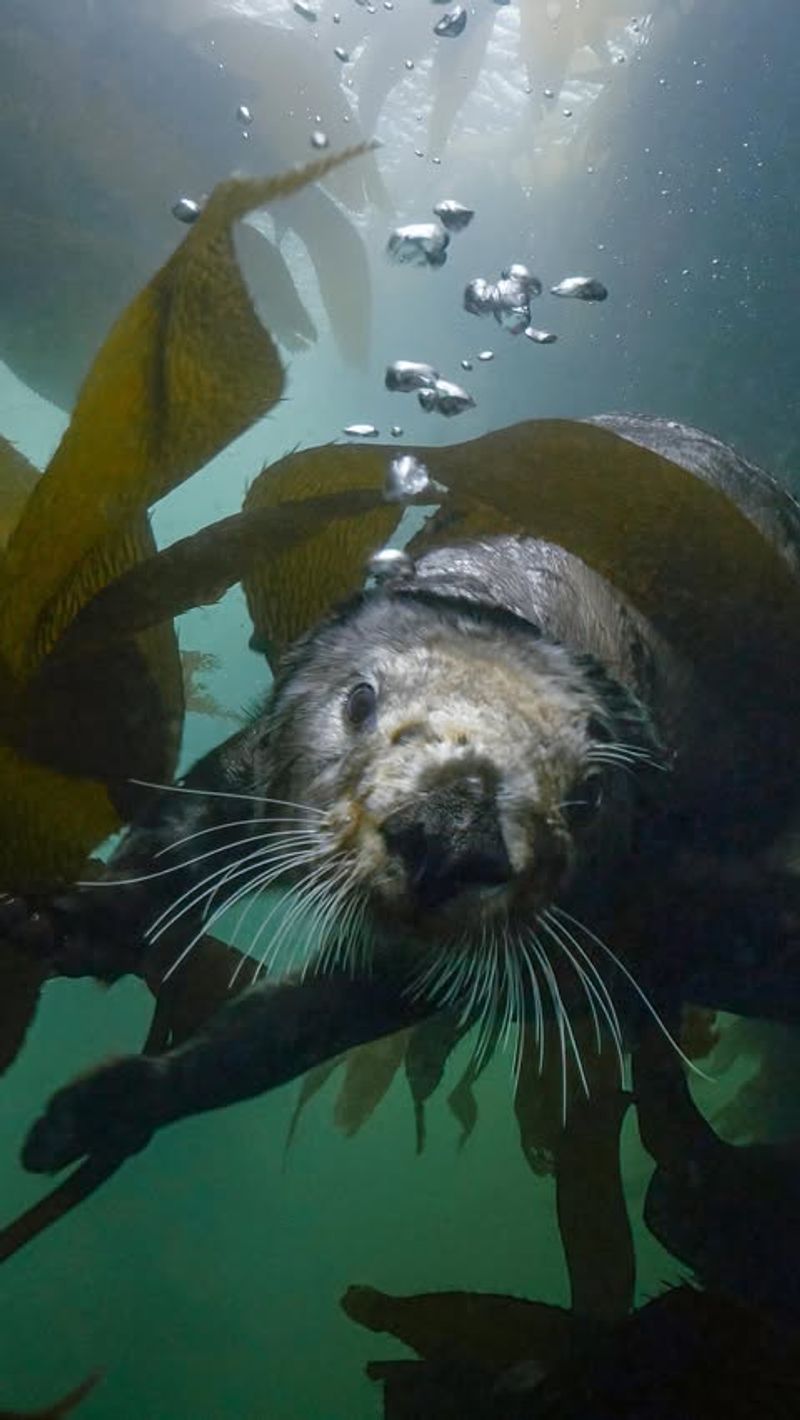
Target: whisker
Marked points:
601	991
505	950
643	997
290	854
330	928
233	823
564	1024
225	794
548	927
476	975
211	921
341	942
255	887
624	756
313	918
176	867
357	958
194	893
307	889
265	881
296	847
487	1024
538	1011
254	890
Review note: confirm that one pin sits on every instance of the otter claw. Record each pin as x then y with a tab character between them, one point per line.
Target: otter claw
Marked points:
111	1112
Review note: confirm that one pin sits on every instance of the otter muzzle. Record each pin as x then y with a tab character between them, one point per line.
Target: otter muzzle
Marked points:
448	842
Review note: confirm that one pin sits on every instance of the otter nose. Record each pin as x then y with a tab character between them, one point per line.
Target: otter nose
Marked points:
448	841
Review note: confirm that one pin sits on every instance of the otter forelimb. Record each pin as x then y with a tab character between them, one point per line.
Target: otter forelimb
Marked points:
265	1037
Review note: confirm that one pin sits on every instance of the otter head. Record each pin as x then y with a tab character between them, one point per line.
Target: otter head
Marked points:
457	771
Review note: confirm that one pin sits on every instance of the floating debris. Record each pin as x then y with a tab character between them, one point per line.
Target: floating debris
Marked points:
427	398
407	375
540	337
581	288
306	12
467	365
419	244
319	139
244	115
390	563
485	355
453	215
396	431
549	93
361	431
342	54
452	24
567	112
451	398
409	63
186	210
407	477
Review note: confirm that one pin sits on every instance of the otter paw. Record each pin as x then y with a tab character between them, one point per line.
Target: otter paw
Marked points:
111	1112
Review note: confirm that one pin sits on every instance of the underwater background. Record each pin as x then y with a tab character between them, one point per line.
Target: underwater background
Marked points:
205	1278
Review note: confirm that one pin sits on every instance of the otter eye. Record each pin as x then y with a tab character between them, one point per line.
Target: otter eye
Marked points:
361	705
585	806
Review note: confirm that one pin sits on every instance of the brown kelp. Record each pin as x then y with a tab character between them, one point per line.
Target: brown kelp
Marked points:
163	395
185	369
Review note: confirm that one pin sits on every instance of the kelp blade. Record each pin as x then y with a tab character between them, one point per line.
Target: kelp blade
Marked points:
678	548
186	368
197	570
17	479
290	590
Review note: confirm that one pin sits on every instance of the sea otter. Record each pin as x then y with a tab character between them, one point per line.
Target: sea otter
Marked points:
471	774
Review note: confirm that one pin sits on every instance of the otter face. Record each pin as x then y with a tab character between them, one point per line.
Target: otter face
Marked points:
459	771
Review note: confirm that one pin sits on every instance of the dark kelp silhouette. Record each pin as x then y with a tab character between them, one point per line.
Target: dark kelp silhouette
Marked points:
687	1355
64	1406
727	1211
